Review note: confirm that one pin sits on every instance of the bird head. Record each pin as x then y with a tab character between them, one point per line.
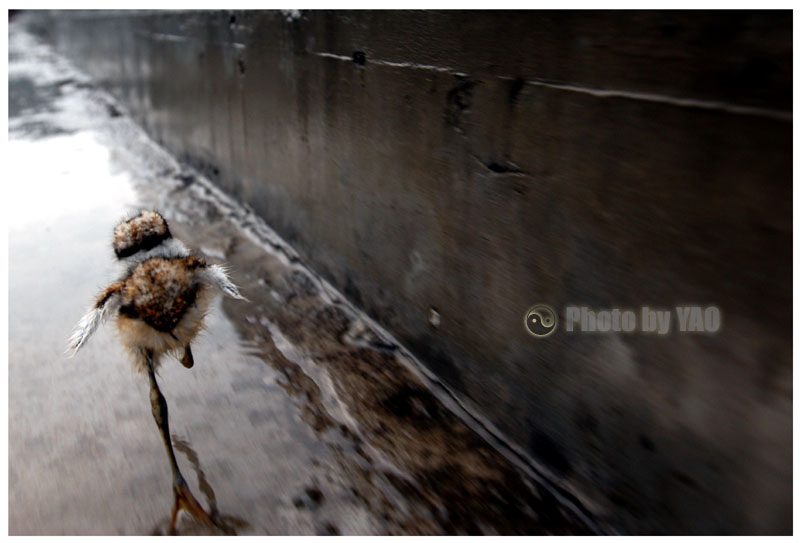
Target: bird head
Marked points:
139	234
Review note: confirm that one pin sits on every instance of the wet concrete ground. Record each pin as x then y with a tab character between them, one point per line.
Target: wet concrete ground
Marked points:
299	417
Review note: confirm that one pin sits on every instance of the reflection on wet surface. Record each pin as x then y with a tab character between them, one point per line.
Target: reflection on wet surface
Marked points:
226	524
298	416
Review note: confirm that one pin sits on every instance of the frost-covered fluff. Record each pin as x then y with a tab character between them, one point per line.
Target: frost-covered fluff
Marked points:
160	302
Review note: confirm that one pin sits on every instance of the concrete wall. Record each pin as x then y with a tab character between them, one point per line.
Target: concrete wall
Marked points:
478	163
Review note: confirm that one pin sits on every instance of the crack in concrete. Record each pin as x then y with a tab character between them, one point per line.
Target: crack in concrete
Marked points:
697	103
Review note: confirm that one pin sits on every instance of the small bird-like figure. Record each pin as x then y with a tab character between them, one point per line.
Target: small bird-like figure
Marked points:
159	306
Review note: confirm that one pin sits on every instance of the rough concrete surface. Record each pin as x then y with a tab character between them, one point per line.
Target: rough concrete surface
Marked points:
297	418
468	165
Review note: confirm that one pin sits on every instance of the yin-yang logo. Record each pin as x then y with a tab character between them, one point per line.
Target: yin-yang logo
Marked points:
541	320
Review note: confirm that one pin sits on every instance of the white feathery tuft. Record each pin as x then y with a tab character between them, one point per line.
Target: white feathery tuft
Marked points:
218	276
89	324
